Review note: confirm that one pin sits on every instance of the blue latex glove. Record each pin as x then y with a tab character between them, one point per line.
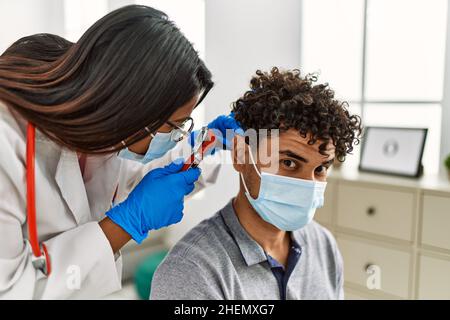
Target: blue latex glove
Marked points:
220	126
222	123
156	202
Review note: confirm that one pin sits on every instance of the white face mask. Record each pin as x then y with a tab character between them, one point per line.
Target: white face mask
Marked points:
161	144
287	203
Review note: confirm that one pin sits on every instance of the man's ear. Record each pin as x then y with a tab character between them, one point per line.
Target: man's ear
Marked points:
239	153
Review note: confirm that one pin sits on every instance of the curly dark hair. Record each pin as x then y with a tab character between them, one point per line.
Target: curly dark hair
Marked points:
286	99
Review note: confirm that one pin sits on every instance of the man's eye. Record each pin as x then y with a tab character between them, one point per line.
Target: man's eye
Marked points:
321	169
289	163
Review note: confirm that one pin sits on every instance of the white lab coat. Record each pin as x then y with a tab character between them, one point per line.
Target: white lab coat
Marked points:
68	208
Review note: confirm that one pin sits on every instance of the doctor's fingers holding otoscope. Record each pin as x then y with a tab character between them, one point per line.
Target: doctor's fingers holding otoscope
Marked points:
126	89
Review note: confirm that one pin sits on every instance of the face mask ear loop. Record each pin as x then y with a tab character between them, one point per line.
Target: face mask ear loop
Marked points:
124	146
253	161
151	133
256	169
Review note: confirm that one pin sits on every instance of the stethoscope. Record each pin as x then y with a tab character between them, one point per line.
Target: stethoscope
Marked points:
41	258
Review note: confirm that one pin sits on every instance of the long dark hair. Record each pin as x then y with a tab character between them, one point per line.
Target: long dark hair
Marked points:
133	68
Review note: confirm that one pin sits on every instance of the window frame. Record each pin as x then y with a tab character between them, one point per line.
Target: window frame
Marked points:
444	102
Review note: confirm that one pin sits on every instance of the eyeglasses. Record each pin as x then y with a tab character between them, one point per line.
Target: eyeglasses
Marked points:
179	131
182	130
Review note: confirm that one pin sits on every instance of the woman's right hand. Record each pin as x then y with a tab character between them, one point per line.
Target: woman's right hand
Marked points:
156	202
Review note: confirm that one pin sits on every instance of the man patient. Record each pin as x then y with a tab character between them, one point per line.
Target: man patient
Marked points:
264	243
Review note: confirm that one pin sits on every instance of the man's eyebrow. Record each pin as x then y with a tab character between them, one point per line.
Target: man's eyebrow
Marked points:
291	154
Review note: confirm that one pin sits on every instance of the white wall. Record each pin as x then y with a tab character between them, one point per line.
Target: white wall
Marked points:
20	18
241	36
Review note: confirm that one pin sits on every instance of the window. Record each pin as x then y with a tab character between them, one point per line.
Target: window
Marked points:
386	57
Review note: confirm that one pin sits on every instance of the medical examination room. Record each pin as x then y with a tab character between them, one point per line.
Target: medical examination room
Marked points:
224	150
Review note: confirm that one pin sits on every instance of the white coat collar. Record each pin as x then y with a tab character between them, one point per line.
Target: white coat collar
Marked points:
71	185
91	197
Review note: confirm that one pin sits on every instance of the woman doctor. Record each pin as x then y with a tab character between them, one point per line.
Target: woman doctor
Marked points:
68	114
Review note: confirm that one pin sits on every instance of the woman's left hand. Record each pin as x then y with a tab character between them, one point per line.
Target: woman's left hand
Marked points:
225	128
226	124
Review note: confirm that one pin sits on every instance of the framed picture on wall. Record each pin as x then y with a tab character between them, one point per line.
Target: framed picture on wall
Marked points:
395	151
